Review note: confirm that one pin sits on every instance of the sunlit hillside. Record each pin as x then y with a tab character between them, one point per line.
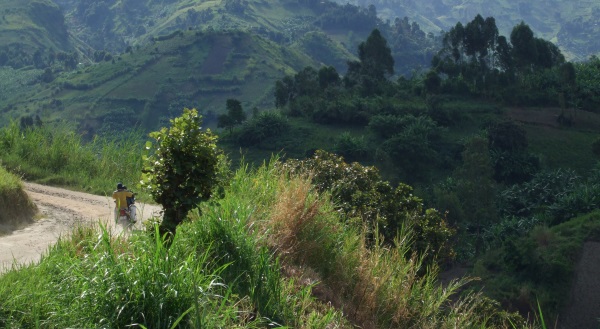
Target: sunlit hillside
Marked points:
184	69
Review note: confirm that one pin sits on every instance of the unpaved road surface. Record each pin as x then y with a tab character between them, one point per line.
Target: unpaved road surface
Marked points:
60	211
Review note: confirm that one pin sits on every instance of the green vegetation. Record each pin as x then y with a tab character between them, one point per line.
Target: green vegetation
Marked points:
235	115
182	167
273	251
496	138
149	86
14	202
572	28
450	134
539	265
185	53
32	32
54	154
359	192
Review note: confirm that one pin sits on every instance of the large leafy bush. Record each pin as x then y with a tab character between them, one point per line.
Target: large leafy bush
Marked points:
183	168
360	193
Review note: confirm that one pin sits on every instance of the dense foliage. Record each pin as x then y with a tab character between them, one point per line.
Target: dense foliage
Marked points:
272	253
573	30
360	193
445	131
55	154
476	59
181	168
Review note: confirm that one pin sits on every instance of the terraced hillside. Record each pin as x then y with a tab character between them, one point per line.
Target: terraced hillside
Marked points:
115	24
152	83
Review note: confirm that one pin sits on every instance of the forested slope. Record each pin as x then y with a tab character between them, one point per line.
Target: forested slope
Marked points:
571	25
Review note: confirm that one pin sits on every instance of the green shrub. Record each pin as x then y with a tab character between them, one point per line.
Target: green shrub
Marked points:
271	253
353	148
181	169
359	192
533	197
265	125
542	261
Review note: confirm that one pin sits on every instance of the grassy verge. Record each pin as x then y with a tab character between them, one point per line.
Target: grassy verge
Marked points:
15	206
271	253
55	155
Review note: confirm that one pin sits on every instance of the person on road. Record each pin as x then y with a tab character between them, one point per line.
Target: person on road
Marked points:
120	196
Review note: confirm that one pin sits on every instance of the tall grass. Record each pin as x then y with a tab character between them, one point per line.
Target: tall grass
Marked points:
95	279
271	253
55	154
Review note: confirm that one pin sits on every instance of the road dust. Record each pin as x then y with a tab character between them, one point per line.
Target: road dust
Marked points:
60	211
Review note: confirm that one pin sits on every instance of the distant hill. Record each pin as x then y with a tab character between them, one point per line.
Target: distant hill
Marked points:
31	31
327	31
148	59
115	24
150	84
572	25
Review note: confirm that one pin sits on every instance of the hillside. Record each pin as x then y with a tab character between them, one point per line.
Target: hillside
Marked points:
571	25
30	32
498	141
151	83
176	46
115	24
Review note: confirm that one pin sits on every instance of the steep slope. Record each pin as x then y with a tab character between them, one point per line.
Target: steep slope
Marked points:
571	25
115	24
323	49
326	30
153	83
30	30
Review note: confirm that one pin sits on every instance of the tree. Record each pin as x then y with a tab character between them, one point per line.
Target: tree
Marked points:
284	91
235	115
476	188
328	76
375	64
376	57
235	111
432	83
508	146
181	168
524	45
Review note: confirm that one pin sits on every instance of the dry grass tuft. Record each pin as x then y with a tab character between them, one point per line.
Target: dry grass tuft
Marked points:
375	286
294	216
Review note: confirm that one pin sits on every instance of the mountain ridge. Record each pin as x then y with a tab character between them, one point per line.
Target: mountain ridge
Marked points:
571	25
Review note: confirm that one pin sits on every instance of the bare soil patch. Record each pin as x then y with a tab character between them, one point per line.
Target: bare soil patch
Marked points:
60	211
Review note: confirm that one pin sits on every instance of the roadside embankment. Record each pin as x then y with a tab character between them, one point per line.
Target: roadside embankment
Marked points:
16	208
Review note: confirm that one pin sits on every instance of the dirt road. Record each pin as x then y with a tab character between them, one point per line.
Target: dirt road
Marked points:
59	211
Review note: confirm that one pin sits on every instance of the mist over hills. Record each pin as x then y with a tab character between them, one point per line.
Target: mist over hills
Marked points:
571	25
